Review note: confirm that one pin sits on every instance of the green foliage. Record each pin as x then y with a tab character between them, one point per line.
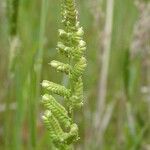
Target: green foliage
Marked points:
57	119
23	66
12	12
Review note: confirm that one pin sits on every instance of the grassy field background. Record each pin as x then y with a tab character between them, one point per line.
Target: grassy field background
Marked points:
28	44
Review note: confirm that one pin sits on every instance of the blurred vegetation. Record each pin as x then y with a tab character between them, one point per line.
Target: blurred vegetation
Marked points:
28	37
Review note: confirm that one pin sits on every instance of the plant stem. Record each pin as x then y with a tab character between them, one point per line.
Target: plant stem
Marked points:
35	76
12	17
105	65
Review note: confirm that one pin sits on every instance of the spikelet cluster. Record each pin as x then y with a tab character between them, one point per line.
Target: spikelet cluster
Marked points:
57	118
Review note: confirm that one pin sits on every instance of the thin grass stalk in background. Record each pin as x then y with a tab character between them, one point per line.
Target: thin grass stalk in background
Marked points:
96	9
35	77
39	59
16	78
12	17
140	48
101	103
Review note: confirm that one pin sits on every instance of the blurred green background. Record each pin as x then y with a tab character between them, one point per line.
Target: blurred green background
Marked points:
116	112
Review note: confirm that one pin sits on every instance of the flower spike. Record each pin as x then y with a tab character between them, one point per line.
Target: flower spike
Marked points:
58	119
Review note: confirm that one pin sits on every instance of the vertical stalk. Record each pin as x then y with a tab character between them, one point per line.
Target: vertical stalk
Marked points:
39	60
35	76
12	17
97	13
105	65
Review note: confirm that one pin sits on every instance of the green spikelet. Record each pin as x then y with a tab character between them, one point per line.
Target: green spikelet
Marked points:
77	98
72	136
71	45
56	88
61	66
56	133
58	110
78	69
64	49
